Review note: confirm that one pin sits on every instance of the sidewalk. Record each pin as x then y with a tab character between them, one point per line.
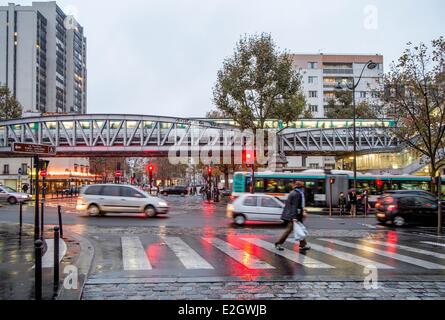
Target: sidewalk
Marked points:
17	263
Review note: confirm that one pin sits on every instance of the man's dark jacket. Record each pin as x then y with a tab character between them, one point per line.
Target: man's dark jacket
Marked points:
292	209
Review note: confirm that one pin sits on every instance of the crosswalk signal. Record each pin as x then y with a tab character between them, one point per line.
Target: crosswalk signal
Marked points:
249	157
332	180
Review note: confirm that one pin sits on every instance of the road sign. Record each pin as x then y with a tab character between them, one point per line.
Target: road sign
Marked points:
35	149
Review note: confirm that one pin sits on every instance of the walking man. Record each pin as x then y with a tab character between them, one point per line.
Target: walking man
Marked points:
293	212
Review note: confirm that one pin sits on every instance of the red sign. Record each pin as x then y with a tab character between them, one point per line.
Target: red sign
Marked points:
118	173
43	173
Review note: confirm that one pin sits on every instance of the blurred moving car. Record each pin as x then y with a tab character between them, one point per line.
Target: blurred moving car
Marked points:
251	207
402	209
100	199
12	196
176	190
414	193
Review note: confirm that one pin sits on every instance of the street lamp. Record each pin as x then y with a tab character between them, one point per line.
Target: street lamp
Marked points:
370	65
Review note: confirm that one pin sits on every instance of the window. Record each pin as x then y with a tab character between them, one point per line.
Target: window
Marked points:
111	191
94	190
24	168
314	166
269	203
362	94
313	94
250	202
6	169
312	65
131	193
312	79
313	108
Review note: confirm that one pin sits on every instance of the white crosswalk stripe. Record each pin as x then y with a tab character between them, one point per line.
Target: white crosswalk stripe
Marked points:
406	248
239	255
407	259
289	254
438	244
189	257
133	255
349	257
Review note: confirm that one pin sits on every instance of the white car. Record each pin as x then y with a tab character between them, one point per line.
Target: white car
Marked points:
12	196
255	207
100	199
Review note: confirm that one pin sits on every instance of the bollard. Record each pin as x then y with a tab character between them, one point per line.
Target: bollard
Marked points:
56	260
38	247
59	212
20	217
42	222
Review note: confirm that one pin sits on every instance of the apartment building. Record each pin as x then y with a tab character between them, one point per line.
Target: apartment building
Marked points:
43	58
321	74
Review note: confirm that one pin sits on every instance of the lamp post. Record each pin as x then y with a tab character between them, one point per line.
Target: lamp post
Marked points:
370	65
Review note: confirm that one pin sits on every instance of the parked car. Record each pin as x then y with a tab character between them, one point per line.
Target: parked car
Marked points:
403	209
251	207
177	190
12	196
100	199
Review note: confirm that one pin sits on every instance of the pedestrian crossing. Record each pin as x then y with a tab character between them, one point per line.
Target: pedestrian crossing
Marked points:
258	253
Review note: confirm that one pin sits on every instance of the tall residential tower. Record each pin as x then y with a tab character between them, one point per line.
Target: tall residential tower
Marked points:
43	58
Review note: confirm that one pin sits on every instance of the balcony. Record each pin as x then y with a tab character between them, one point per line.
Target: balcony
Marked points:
338	71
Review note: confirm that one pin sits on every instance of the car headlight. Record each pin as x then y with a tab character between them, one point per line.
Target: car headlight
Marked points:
162	204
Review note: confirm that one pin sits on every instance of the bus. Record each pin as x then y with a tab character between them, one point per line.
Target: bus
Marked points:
317	184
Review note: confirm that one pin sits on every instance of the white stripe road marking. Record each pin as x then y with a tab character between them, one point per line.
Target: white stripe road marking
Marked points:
349	257
133	255
48	257
289	254
241	256
438	244
189	257
406	248
417	262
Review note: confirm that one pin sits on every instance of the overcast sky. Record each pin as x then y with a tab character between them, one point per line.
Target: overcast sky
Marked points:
160	57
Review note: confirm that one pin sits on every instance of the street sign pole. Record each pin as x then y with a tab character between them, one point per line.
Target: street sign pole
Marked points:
36	210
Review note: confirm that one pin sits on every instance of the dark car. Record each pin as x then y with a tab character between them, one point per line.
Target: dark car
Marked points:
176	190
415	193
403	209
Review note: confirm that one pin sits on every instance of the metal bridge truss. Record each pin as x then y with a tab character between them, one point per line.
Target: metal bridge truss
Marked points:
337	140
134	135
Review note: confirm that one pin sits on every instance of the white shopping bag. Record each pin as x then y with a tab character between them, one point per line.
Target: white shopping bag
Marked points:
300	231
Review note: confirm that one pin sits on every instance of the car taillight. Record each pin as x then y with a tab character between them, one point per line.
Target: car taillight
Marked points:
389	200
392	207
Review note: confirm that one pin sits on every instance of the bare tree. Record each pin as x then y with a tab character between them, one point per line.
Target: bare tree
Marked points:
415	92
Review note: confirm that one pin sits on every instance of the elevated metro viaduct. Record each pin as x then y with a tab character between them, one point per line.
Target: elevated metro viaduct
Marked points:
103	135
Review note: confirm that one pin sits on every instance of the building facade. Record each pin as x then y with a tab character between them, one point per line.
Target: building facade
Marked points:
321	74
43	58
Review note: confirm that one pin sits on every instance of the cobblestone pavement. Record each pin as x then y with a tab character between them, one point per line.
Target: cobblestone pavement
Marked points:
266	290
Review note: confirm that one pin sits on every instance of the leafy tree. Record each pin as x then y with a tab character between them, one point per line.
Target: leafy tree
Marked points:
415	92
258	83
10	108
341	107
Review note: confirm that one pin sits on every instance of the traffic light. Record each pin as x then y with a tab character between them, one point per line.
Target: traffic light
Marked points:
150	169
209	171
379	183
249	156
332	180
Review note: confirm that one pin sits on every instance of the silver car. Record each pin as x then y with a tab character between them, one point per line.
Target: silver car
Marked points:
100	199
12	196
